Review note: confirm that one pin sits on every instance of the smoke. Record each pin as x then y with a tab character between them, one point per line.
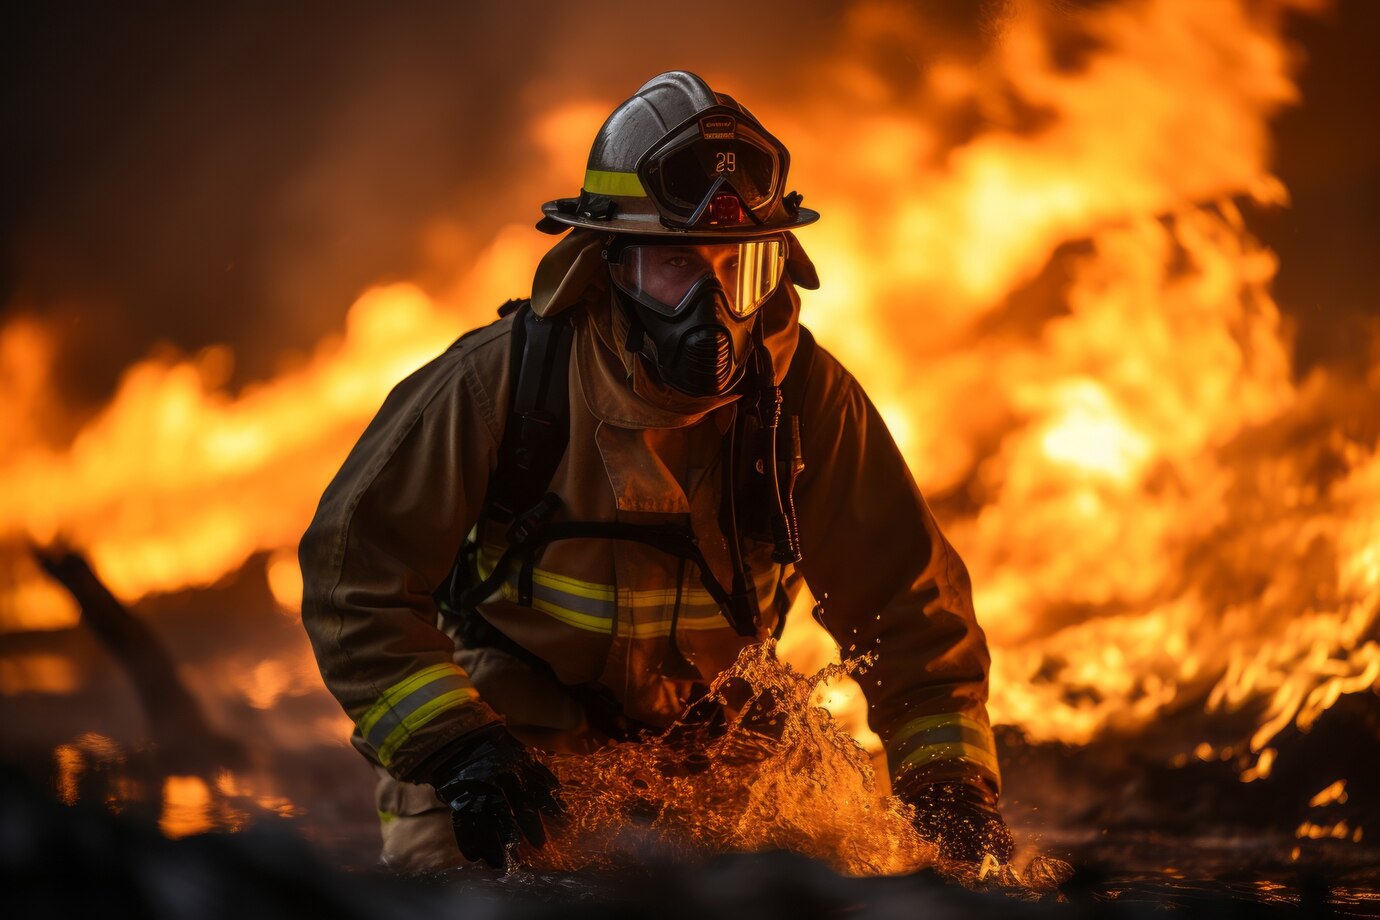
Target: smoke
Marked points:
237	176
204	176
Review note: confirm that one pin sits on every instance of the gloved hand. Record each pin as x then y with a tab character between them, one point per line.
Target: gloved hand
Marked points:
962	819
496	791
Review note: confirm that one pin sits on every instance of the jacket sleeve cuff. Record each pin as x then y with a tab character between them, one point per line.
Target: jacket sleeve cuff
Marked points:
943	748
410	761
419	715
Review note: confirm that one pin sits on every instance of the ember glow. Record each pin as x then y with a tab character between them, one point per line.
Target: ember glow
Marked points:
1156	511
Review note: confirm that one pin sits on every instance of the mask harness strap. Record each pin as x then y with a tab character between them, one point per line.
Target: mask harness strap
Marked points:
637	334
781	508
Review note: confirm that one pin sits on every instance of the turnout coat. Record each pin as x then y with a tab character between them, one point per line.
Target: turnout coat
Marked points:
389	527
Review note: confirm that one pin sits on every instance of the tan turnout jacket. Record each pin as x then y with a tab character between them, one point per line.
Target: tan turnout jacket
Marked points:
389	527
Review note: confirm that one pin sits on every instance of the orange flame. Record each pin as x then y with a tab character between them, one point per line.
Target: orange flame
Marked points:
1150	526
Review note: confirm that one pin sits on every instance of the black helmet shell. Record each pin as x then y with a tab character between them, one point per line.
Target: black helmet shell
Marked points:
622	191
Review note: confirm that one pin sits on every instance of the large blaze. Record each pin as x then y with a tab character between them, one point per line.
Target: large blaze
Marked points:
1061	313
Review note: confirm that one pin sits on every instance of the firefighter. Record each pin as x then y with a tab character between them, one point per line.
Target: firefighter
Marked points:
557	532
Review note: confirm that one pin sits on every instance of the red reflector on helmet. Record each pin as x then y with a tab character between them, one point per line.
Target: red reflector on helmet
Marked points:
725	209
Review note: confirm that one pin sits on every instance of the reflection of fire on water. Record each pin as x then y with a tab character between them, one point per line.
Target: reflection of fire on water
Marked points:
95	768
777	774
1063	317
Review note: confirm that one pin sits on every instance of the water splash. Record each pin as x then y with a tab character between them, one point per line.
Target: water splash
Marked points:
754	767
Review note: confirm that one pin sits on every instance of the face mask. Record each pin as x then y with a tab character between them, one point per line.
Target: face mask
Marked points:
695	307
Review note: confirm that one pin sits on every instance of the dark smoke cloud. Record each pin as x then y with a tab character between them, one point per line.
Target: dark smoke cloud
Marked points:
203	173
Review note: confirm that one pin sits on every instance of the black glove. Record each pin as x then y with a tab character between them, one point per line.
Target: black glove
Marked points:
962	819
496	791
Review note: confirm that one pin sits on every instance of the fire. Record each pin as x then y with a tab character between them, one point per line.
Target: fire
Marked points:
187	807
1156	512
1089	435
285	580
1333	793
177	483
38	673
1339	831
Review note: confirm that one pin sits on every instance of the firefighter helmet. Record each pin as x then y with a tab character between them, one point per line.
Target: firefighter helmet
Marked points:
678	159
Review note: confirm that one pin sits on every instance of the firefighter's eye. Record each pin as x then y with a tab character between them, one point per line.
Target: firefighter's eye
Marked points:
677	262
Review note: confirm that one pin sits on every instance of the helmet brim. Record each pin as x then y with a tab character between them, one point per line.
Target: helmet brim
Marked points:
651	225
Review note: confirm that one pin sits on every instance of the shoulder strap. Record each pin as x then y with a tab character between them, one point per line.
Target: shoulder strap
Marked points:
790	460
798	375
537	429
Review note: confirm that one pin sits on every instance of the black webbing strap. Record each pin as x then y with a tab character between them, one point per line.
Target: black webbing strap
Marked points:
538	426
790	460
798	375
535	439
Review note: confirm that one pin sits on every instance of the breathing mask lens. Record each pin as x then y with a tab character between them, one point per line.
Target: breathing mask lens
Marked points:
665	278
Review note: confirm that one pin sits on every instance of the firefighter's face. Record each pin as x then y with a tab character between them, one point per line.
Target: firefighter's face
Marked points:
667	277
671	271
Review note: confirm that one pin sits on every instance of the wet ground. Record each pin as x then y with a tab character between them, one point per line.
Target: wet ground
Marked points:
57	860
308	816
1148	822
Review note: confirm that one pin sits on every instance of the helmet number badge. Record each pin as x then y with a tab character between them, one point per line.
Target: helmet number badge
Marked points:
725	161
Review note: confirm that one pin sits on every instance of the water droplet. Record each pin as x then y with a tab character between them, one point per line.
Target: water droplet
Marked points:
684	781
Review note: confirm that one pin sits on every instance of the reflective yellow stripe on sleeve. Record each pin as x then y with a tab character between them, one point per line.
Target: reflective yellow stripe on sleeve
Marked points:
411	703
947	736
624	184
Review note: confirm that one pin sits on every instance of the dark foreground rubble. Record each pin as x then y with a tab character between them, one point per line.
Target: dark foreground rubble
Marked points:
61	861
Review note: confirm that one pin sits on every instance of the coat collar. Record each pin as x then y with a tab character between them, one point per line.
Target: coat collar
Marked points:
617	386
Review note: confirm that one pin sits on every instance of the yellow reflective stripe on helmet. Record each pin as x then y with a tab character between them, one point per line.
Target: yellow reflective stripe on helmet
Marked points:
624	184
421	716
393	718
953	750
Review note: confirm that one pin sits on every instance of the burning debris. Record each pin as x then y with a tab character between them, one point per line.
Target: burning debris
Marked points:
186	744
